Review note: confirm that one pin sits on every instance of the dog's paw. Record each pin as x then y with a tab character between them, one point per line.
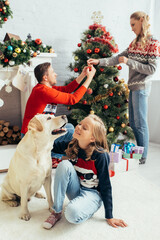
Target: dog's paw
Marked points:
25	216
13	203
39	195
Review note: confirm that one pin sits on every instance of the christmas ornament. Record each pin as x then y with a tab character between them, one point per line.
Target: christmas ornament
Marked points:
105	107
96	50
10	48
101	69
90	68
119	67
124	132
6	3
84	102
17	50
119	93
44	45
89	51
1	102
76	58
118	105
8	89
91	112
115	79
23	43
51	50
88	36
24	50
76	69
79	44
38	41
118	117
111	129
11	63
34	54
89	91
6	60
126	115
106	85
97	17
123	125
5	19
111	94
38	52
14	54
121	80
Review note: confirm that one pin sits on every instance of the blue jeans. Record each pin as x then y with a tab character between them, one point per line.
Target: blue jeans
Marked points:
66	138
83	203
138	109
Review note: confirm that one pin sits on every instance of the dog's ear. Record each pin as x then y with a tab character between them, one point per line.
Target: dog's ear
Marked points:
35	125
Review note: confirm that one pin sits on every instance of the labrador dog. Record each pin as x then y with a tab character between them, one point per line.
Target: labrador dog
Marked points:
31	165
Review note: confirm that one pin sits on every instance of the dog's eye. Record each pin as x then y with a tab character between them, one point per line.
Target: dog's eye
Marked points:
49	118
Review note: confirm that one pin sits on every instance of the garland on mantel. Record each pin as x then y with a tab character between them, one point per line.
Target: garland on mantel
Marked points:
5	12
16	52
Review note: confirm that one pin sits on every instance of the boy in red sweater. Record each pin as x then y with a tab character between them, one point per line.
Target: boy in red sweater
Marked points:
45	96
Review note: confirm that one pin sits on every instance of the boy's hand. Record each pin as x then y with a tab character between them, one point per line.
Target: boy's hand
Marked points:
116	222
92	61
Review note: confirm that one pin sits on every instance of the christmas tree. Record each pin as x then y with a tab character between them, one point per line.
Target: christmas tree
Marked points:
107	95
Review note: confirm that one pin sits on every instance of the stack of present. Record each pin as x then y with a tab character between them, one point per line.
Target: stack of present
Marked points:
124	159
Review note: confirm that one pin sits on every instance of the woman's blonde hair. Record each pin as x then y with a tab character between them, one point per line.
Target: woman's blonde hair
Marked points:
100	144
145	31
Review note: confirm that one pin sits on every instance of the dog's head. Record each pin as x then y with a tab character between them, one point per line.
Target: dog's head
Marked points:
48	124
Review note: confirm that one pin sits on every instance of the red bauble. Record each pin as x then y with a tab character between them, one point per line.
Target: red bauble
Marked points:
111	94
96	50
89	51
101	69
6	60
118	117
84	102
118	105
38	41
119	67
1	9
89	91
104	55
90	68
79	44
76	69
5	19
115	79
105	107
88	36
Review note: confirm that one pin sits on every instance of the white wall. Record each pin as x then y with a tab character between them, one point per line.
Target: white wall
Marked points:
61	24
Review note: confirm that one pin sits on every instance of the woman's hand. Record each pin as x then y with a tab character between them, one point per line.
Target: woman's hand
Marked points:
116	222
84	71
92	61
123	60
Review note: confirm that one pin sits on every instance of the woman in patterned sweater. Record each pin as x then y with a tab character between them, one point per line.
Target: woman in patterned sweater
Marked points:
141	57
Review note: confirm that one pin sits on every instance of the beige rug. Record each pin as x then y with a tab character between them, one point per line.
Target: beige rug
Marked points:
135	200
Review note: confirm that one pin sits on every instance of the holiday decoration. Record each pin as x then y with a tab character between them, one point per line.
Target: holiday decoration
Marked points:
15	52
109	93
5	12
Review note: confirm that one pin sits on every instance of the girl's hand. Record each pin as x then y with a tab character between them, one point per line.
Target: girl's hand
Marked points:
116	222
123	59
84	71
92	61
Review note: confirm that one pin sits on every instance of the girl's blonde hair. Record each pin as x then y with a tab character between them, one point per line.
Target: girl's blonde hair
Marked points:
100	144
145	31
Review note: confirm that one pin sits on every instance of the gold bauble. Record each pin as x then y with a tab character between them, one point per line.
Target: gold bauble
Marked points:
123	125
126	115
111	129
17	50
6	3
91	112
76	58
14	54
51	50
121	80
119	93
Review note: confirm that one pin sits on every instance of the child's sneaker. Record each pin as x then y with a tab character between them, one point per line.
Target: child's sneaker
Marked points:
51	220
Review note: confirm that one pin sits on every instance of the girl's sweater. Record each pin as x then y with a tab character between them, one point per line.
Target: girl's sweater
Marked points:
142	62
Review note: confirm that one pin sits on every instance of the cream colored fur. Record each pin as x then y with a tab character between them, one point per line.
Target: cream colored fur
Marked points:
31	165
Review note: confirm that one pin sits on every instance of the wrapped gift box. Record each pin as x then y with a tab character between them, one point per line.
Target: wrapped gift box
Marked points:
132	155
115	156
124	165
